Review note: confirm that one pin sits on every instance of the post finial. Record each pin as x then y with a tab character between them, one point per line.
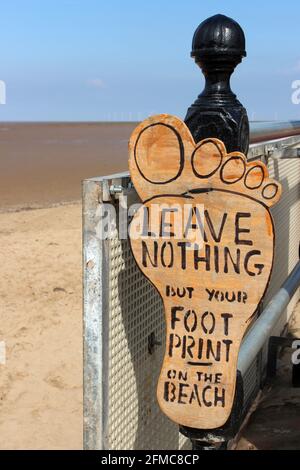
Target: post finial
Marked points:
218	47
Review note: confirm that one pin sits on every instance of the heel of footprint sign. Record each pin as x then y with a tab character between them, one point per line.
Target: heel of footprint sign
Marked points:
206	244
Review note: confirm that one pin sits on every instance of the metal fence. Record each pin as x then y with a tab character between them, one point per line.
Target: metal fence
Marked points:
123	312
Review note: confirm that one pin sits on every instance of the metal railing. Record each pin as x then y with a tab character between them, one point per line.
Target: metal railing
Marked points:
264	131
264	325
274	140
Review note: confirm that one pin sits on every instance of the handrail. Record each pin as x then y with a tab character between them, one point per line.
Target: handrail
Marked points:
264	325
264	131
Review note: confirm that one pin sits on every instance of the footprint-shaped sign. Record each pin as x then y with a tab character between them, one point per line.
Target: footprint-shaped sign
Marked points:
204	237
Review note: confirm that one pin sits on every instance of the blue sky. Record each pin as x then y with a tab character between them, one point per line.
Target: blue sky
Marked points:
86	60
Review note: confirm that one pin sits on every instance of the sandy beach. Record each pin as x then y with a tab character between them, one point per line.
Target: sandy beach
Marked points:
40	275
40	304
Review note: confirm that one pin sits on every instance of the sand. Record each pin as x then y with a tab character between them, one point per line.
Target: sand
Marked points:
42	165
41	323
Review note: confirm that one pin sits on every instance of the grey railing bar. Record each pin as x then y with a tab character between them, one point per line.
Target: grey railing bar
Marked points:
264	325
264	131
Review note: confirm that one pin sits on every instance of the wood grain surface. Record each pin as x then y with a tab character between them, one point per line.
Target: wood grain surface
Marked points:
205	238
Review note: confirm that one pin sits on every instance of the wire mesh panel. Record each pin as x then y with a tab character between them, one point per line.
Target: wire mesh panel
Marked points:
135	312
251	383
132	315
287	227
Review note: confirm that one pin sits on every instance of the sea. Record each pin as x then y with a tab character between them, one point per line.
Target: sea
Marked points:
43	164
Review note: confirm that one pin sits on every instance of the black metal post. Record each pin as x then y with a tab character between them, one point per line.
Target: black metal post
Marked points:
217	439
218	47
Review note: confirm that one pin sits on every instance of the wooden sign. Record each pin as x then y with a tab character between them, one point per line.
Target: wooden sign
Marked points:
204	237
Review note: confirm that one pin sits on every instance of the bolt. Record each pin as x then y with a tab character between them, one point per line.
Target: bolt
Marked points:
116	189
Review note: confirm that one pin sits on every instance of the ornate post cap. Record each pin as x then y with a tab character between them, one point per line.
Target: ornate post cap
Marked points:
218	36
218	47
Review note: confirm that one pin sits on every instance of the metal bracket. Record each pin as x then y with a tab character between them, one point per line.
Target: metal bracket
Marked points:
113	190
153	342
284	149
285	154
116	189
